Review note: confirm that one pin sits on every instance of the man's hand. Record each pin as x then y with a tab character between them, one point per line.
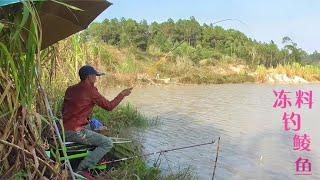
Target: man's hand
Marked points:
126	92
103	130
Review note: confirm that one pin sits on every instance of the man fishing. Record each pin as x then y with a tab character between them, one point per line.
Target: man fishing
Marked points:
78	104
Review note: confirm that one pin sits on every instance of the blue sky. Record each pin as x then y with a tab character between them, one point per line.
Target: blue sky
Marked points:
265	19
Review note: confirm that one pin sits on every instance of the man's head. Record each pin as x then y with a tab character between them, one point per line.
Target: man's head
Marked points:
88	72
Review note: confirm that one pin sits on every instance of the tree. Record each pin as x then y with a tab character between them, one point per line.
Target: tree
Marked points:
206	41
291	50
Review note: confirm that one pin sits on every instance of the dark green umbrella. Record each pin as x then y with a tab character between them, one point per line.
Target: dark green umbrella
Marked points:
59	20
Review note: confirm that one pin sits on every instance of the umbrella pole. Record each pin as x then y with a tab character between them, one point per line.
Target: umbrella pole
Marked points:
56	128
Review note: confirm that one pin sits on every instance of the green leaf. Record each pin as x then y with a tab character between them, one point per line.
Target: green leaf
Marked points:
4	114
12	66
1	26
138	178
25	17
68	5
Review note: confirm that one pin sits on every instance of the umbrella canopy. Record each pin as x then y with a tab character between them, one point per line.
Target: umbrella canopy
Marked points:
59	21
7	2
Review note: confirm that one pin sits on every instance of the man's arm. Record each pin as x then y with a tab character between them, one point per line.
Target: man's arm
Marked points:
102	102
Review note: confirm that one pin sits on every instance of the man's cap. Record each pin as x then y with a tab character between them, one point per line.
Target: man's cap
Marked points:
85	71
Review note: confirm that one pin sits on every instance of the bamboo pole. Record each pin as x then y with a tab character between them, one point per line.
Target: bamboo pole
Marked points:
215	163
56	128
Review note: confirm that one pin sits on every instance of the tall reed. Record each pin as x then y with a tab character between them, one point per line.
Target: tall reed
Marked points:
23	114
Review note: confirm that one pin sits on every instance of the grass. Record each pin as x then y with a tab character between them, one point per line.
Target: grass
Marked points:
129	66
307	72
124	67
184	70
124	116
138	169
134	169
261	73
183	174
20	175
214	78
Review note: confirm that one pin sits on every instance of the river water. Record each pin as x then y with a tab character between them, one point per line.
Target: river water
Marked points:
254	143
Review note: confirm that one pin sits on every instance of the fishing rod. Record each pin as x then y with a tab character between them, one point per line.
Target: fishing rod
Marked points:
158	62
194	35
174	48
159	152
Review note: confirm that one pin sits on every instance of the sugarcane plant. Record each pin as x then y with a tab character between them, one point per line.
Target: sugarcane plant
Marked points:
23	115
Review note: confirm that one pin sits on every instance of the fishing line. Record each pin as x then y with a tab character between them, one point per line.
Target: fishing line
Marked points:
154	66
162	151
149	70
232	20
